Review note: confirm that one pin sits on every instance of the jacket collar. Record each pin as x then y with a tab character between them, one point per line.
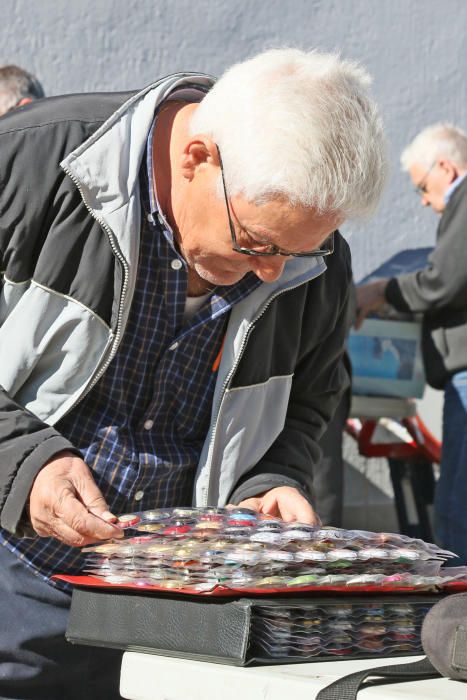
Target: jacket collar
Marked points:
106	166
117	147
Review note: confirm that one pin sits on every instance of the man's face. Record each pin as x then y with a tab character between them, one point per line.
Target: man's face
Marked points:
432	183
205	238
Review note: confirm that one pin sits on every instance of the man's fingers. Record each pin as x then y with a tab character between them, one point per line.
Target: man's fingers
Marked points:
270	506
86	526
251	503
62	532
289	504
303	513
65	503
298	510
108	517
92	498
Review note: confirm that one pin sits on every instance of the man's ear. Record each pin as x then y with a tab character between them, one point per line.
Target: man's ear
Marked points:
200	151
449	169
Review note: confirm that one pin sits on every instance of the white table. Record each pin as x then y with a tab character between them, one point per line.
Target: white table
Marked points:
151	677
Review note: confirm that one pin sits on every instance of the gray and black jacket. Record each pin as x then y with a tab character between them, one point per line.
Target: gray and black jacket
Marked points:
69	238
439	292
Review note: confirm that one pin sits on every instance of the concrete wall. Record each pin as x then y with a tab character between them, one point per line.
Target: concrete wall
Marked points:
416	51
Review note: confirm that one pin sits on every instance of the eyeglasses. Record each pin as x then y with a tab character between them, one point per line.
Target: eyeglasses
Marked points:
421	189
270	248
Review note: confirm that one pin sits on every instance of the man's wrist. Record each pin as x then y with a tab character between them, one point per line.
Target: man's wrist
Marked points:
382	286
394	296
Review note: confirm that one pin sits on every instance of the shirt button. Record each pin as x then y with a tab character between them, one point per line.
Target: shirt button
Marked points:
139	495
148	424
176	264
174	346
150	218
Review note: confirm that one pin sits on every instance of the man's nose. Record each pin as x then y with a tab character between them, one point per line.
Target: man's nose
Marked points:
269	268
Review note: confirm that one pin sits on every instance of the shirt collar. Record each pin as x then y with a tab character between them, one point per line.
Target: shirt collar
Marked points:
453	186
154	206
190	95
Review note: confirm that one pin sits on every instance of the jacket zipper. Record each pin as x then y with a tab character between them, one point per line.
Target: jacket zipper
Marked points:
227	382
119	256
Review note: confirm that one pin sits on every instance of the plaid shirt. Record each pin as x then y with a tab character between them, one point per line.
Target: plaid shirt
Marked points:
142	427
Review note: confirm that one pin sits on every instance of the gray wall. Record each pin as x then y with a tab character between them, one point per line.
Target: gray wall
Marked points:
416	51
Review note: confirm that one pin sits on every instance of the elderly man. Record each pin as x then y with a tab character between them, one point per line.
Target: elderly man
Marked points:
17	88
174	308
437	163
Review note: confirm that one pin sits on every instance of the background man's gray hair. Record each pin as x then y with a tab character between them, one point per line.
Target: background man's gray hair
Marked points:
17	84
440	140
300	125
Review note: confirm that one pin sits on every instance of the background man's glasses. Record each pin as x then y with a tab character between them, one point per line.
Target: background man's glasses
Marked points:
269	248
421	187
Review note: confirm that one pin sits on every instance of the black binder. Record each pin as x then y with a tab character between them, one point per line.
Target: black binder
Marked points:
220	630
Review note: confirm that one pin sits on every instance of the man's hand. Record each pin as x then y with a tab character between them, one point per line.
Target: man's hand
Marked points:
283	502
370	297
65	503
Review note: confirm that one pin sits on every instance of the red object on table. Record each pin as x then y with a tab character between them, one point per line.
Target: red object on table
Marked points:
422	445
94	582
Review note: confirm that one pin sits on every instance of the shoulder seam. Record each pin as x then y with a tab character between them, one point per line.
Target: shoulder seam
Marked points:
99	120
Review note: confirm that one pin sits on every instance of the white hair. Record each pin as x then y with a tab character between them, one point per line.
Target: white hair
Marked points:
441	140
300	125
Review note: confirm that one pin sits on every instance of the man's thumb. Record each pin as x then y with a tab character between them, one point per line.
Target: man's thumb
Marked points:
94	501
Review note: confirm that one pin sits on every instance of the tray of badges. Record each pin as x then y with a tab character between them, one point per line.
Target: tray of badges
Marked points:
227	551
234	586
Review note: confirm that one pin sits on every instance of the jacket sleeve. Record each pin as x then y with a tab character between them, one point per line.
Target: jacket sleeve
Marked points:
320	379
26	444
443	283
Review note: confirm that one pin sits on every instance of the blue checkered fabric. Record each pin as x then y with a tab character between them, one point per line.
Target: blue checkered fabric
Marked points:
142	427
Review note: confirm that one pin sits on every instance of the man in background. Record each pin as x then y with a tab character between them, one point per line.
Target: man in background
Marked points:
17	88
436	161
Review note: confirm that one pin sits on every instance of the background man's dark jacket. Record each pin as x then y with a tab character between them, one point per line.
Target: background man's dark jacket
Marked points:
439	292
